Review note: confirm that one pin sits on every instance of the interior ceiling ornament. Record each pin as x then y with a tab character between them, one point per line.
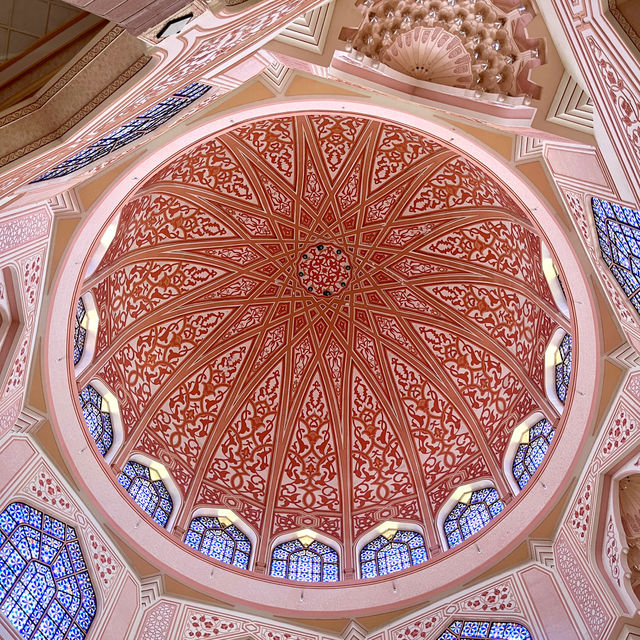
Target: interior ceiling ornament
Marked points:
469	44
301	410
320	319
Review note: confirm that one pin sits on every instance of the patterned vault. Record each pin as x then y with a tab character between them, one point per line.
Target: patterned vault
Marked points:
323	322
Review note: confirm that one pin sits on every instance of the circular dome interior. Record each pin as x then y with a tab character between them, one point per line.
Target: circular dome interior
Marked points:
323	322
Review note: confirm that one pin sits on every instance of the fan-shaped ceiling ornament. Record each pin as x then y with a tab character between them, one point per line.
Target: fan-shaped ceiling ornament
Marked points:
498	57
431	54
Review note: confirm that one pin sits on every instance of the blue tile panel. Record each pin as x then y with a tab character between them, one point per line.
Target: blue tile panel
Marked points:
485	630
529	456
45	588
384	555
619	237
225	543
97	418
316	562
150	495
466	519
132	130
80	333
563	368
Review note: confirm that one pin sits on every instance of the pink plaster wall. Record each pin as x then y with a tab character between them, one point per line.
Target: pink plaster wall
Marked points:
549	604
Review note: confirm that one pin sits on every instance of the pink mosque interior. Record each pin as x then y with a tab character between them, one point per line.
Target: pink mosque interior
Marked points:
319	320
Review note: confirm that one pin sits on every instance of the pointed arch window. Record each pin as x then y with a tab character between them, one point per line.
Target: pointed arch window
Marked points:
618	231
148	491
217	538
474	510
306	560
97	418
531	451
563	367
45	588
485	630
391	551
80	331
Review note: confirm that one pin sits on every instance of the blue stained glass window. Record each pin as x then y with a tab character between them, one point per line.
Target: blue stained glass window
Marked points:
132	130
466	519
80	332
149	494
315	562
97	417
45	589
563	368
619	237
216	540
397	551
485	630
529	455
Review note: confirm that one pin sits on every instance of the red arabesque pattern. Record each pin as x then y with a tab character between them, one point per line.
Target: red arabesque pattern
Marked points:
331	411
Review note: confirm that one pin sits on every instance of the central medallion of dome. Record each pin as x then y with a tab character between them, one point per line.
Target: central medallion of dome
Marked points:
322	322
324	270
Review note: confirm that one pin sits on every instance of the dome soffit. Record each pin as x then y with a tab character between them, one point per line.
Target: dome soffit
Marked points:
323	322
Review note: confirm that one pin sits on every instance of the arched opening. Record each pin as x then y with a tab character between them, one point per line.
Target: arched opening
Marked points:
221	535
390	547
152	488
529	444
85	332
469	509
303	556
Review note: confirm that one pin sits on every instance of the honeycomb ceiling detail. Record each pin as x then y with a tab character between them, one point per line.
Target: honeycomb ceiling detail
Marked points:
401	375
469	44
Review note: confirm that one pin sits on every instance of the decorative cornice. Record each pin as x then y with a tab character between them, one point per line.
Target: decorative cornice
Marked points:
542	552
277	76
572	106
309	32
528	149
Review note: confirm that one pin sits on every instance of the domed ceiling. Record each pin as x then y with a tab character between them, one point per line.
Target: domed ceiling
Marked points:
323	321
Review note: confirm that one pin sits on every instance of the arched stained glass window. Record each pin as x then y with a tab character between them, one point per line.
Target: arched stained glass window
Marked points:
392	551
217	539
96	414
80	331
45	589
308	562
563	368
130	131
531	452
148	491
485	630
619	237
473	512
